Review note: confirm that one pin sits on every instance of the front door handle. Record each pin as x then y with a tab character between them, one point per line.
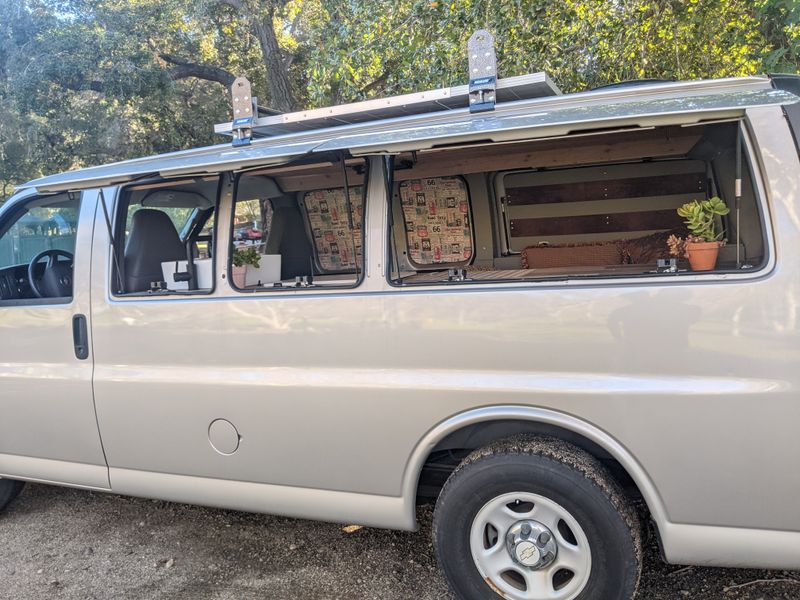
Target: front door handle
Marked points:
80	337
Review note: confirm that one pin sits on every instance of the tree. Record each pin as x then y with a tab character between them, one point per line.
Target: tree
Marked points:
179	39
780	26
260	17
384	46
84	82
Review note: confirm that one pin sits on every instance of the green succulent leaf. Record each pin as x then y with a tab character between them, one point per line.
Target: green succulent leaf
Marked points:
700	217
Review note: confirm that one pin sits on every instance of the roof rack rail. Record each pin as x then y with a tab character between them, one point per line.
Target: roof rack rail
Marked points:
481	94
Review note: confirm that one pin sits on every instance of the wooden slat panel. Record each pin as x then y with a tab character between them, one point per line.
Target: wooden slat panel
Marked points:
317	181
621	222
587	191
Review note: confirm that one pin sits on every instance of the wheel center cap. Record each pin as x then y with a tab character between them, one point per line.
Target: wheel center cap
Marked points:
531	544
527	553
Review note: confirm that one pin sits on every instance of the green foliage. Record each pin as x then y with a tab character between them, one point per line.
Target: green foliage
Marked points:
84	82
246	256
581	43
701	215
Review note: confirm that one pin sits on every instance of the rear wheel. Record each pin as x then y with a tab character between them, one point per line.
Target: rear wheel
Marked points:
534	518
9	489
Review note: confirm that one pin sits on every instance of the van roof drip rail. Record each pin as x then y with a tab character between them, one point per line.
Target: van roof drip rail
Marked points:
482	93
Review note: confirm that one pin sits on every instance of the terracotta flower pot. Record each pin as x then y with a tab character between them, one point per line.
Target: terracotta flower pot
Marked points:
702	255
239	275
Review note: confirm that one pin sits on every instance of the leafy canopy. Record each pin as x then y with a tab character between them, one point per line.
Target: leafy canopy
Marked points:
84	82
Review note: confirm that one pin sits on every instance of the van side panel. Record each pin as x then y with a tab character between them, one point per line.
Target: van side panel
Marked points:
335	390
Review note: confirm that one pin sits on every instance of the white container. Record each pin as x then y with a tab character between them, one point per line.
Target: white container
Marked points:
202	268
268	271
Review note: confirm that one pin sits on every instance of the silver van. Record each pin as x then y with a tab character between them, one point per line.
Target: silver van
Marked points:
353	311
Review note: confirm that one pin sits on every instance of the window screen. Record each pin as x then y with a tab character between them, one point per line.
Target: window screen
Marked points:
338	247
437	219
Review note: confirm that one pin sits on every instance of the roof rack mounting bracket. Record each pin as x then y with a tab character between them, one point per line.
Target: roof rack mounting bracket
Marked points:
482	71
245	109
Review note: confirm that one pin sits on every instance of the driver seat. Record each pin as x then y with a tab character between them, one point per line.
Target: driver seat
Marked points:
153	240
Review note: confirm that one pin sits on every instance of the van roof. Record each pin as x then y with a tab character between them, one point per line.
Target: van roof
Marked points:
643	105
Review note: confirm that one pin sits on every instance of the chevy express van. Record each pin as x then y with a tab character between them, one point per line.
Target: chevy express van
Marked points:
477	309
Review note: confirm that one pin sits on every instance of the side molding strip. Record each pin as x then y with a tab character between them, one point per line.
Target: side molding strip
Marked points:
303	503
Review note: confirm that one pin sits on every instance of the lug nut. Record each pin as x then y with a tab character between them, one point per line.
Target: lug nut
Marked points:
526	529
544	537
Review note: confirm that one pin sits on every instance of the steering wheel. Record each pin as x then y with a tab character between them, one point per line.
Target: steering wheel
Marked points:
56	281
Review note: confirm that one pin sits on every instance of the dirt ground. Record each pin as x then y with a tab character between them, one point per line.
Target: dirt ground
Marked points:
69	544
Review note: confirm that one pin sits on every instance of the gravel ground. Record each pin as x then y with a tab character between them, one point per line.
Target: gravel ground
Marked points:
70	544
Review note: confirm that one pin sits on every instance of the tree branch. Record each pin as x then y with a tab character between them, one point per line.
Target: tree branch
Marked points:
379	81
185	68
82	85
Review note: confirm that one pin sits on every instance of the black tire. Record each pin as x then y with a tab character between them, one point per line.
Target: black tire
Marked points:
9	489
560	472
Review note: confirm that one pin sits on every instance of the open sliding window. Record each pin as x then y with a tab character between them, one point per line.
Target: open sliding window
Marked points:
582	206
164	234
299	226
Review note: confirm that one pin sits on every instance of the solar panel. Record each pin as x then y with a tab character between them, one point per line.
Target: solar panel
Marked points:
523	87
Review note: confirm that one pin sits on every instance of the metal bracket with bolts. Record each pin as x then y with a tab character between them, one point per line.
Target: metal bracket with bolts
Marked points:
482	71
245	110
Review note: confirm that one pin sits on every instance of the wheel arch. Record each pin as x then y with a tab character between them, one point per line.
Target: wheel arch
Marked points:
486	424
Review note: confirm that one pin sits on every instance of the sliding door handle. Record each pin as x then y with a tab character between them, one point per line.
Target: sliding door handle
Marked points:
80	337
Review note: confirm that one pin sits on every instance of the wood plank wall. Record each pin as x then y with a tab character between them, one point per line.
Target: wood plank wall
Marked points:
642	218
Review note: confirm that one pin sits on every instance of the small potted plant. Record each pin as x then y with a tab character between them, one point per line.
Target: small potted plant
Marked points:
243	257
702	245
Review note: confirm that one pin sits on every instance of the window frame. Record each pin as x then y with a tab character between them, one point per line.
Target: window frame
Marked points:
16	210
118	225
759	271
314	287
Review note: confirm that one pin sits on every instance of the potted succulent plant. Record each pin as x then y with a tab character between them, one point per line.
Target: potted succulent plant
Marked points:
702	245
243	257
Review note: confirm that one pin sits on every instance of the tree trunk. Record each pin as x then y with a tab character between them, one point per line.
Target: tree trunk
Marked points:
281	97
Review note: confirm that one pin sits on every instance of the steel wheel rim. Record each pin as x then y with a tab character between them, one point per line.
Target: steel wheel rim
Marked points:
492	553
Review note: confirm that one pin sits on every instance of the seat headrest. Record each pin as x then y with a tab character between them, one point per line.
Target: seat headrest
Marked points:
153	223
153	239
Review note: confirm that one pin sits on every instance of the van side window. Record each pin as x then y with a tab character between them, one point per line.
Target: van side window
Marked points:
37	248
252	222
164	236
436	212
600	206
298	226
